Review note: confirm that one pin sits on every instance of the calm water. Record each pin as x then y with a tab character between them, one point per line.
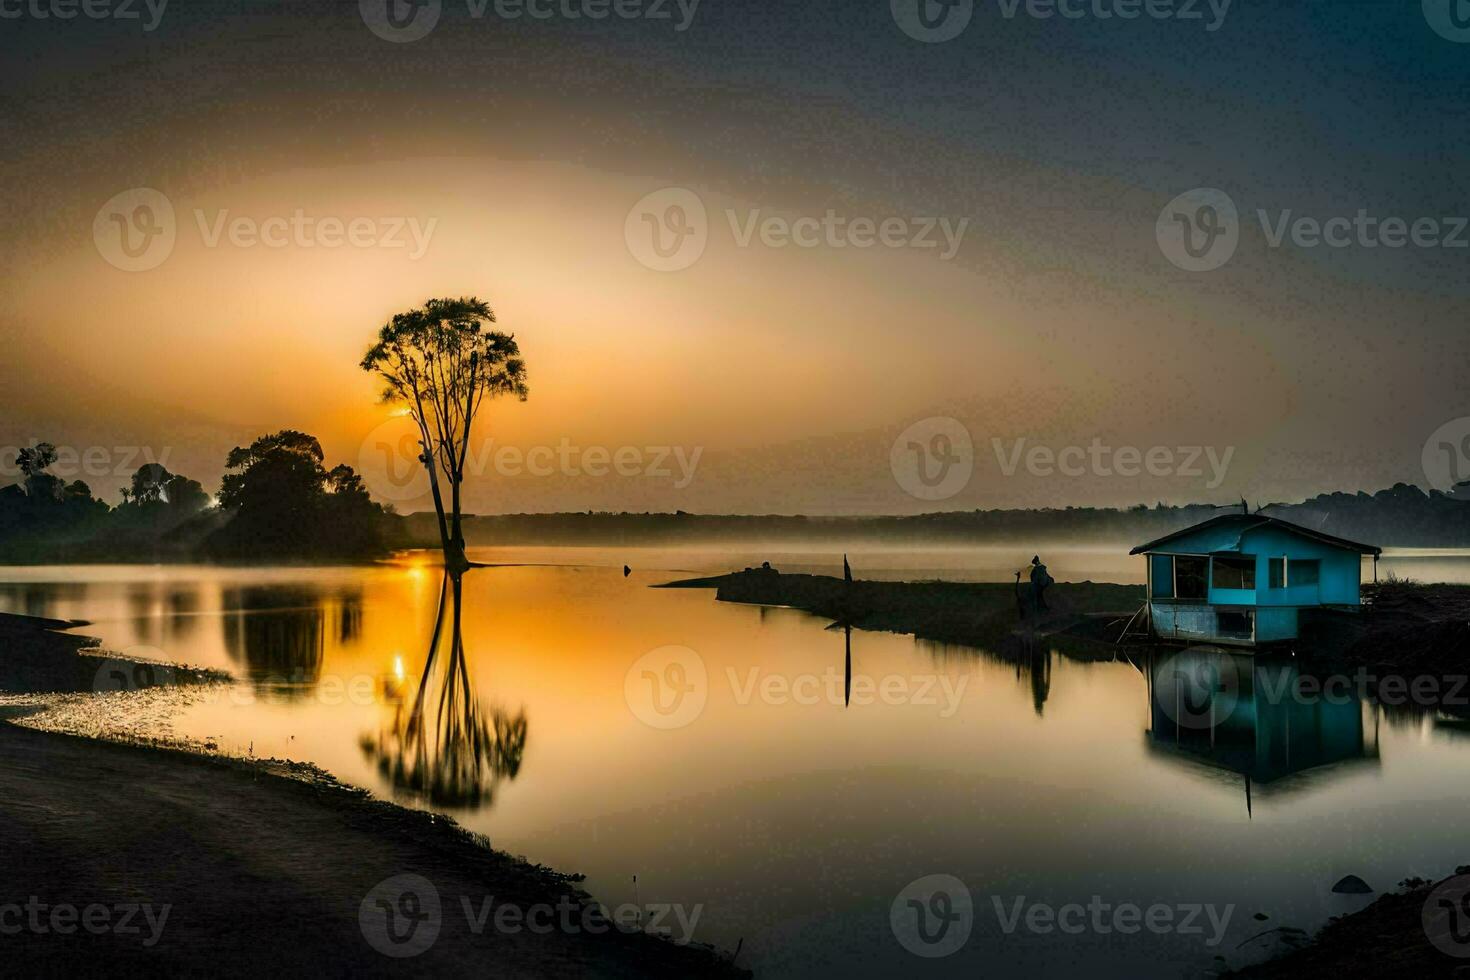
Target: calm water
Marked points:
791	821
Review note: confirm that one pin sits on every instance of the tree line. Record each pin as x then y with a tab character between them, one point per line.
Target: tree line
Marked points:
277	501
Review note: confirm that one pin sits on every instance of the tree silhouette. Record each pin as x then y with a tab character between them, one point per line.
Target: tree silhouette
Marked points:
34	459
154	484
33	462
442	364
284	501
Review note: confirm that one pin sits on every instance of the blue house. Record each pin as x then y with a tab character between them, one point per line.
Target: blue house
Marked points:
1243	579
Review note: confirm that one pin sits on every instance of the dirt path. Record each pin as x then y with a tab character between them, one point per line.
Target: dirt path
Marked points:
263	873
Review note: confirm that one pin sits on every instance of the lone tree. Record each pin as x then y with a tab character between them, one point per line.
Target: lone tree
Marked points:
442	364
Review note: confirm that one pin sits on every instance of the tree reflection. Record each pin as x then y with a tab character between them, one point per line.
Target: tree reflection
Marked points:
441	746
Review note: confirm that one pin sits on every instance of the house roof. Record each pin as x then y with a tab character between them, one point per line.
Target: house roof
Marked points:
1248	522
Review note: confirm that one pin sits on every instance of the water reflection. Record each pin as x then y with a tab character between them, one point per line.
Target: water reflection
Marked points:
1029	656
278	633
1250	716
441	746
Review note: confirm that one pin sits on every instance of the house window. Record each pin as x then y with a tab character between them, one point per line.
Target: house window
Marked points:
1161	575
1235	572
1236	622
1304	571
1190	577
1276	572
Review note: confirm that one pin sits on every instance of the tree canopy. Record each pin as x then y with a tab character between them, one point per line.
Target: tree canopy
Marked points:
442	363
283	501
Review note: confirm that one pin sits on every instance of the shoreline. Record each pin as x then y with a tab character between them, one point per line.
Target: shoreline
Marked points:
978	614
1388	938
237	867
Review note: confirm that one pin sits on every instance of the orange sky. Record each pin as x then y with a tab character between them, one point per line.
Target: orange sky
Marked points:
791	370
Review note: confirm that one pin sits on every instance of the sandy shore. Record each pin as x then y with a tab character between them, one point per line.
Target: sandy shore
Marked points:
124	858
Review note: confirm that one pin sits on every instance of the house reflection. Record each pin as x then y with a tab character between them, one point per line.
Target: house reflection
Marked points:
1254	717
441	747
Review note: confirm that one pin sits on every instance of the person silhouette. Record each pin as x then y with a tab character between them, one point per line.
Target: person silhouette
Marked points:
1039	581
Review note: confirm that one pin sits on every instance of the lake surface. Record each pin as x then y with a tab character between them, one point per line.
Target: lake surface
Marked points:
786	820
